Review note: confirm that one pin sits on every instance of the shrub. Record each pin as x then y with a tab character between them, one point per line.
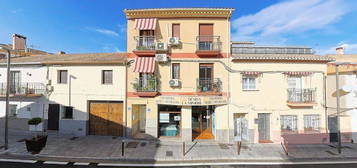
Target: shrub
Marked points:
34	121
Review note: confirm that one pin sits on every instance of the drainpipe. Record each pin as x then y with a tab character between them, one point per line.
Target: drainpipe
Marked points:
126	99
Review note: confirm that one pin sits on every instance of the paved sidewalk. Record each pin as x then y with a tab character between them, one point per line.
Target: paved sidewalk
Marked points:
105	148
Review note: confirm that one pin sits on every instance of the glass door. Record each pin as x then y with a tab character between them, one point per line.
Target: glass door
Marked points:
201	123
15	82
205	77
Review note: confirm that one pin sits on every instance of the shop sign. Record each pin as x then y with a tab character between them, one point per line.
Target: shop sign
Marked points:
191	100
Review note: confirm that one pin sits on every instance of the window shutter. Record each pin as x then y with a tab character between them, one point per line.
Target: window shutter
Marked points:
175	30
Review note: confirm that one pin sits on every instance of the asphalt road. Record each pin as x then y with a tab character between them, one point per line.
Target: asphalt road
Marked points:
70	165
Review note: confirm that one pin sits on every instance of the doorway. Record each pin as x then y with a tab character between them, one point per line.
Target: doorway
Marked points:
142	115
53	116
205	77
264	127
332	127
15	82
202	122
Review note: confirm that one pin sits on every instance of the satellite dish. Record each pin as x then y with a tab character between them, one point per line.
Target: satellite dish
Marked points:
347	88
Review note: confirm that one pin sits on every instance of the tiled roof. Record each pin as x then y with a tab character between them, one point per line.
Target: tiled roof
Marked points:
165	9
90	58
284	57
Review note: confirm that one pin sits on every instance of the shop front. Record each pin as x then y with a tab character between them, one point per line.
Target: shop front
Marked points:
188	117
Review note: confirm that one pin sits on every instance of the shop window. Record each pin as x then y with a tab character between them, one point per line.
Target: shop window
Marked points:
169	120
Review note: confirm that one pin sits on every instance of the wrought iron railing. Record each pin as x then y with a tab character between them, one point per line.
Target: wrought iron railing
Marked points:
143	84
208	43
270	50
209	85
301	95
23	88
145	42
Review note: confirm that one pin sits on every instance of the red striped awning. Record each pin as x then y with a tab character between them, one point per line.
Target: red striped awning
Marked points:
144	64
251	73
298	73
145	24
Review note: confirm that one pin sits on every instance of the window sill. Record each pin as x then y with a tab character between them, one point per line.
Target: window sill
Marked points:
250	90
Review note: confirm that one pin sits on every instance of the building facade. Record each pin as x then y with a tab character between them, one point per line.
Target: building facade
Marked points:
177	80
348	96
277	94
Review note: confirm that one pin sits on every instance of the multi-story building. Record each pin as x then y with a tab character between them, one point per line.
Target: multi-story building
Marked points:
277	93
27	91
347	65
76	94
177	83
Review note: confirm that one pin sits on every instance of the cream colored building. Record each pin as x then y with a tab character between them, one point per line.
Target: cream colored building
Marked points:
177	83
277	93
348	94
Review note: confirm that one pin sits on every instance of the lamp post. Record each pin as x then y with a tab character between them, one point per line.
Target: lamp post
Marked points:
7	97
338	102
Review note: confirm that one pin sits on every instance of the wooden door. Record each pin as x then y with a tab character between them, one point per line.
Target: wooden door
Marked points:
53	116
106	118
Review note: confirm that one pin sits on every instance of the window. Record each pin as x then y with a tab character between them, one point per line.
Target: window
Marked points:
107	77
175	70
176	30
311	122
62	76
13	110
249	83
67	112
295	82
288	123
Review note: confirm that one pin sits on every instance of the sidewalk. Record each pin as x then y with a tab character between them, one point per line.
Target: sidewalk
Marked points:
109	149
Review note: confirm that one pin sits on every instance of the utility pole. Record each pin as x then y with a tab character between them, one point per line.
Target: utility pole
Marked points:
6	145
338	110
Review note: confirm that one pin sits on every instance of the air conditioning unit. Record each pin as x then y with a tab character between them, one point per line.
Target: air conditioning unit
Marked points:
161	57
174	41
174	82
161	46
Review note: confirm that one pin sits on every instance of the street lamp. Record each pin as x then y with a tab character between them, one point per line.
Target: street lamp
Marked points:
338	102
7	96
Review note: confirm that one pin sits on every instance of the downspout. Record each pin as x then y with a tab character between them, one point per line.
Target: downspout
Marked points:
325	101
229	81
126	99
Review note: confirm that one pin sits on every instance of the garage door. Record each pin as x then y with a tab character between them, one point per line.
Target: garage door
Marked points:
106	118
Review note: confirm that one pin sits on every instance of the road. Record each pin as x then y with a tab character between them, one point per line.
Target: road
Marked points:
40	164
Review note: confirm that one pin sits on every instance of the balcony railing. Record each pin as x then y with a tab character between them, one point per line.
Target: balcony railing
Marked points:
301	95
209	85
24	89
208	43
145	43
270	50
146	84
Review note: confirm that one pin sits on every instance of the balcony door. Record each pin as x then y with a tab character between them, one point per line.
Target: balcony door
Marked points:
295	86
15	81
205	37
205	77
147	39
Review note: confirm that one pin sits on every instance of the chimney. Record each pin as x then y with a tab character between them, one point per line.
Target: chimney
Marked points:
340	51
18	42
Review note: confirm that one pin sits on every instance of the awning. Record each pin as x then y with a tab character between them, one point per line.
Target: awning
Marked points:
144	64
145	24
251	73
298	73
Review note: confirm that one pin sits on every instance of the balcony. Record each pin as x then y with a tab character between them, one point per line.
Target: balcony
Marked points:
146	87
208	45
145	45
24	89
301	97
209	87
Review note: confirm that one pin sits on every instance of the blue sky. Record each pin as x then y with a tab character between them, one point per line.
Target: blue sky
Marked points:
83	26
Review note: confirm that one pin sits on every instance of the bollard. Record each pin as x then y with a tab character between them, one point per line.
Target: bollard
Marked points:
183	149
239	145
122	148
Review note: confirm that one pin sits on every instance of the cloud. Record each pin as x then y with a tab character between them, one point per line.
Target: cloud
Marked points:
107	32
15	11
350	48
288	17
111	48
122	28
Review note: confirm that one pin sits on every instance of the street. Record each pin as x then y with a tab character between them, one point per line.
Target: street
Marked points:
41	164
